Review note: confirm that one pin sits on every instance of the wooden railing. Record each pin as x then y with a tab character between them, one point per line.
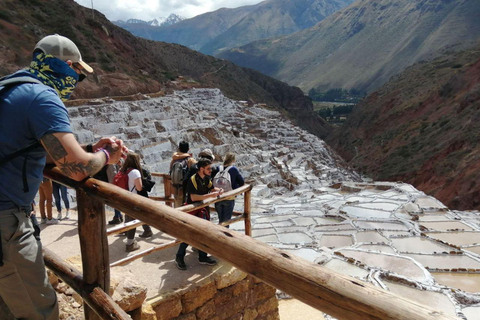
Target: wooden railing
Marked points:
338	295
167	198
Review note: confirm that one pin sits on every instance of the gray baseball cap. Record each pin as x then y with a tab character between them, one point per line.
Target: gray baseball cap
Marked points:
62	48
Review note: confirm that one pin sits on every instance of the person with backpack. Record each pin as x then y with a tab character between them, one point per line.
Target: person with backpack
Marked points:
130	178
34	122
228	178
178	170
193	168
199	187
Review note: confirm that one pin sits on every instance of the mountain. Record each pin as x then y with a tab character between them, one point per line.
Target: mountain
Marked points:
125	64
422	127
363	45
273	18
194	32
157	22
215	31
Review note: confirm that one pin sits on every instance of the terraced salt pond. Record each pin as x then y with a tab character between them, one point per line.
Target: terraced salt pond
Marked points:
383	230
466	282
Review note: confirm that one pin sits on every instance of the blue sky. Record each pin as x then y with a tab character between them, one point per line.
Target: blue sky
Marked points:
149	9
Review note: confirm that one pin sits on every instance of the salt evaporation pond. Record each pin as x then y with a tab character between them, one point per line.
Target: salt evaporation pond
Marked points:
446	225
435	300
466	282
377	247
365	233
457	238
418	244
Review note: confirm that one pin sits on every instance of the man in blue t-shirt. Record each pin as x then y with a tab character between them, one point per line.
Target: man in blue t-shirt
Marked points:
35	129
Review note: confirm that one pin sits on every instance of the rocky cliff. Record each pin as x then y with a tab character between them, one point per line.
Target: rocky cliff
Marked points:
423	128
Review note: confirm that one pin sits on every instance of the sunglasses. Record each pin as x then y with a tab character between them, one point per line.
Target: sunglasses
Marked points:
80	71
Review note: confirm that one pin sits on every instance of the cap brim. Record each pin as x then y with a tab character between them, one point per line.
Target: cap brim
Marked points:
86	66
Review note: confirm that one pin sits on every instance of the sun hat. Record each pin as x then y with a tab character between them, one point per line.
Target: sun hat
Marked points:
62	48
206	153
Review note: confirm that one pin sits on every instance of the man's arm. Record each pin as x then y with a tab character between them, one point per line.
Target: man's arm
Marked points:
179	156
201	197
72	159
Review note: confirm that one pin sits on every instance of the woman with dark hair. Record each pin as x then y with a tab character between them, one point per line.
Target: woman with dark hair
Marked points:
230	175
133	168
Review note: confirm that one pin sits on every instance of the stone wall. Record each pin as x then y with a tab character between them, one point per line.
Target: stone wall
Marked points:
229	297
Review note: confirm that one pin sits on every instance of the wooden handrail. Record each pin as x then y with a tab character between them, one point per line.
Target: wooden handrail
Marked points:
338	295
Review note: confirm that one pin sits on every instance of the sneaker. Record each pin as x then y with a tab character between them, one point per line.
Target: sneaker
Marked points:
115	220
208	261
132	247
43	221
59	216
67	215
146	234
52	221
180	263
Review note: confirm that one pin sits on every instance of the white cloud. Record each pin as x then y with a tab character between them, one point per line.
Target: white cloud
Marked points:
149	9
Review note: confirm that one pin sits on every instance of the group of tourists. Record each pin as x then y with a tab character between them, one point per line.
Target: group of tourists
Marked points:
197	180
35	130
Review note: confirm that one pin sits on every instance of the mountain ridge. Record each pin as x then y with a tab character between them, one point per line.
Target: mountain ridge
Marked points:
214	31
362	46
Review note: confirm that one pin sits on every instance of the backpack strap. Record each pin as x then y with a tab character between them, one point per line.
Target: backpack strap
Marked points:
24	168
194	182
6	83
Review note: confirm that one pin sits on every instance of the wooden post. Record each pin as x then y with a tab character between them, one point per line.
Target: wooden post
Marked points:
93	244
248	216
167	186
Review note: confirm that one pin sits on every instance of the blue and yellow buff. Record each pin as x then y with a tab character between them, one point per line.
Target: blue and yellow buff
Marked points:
54	73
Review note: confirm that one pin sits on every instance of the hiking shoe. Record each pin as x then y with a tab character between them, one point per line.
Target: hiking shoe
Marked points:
67	215
180	263
146	234
115	220
132	247
208	261
43	221
52	221
59	216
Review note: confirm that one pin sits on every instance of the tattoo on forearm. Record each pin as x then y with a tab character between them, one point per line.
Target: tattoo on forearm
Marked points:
54	147
72	168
